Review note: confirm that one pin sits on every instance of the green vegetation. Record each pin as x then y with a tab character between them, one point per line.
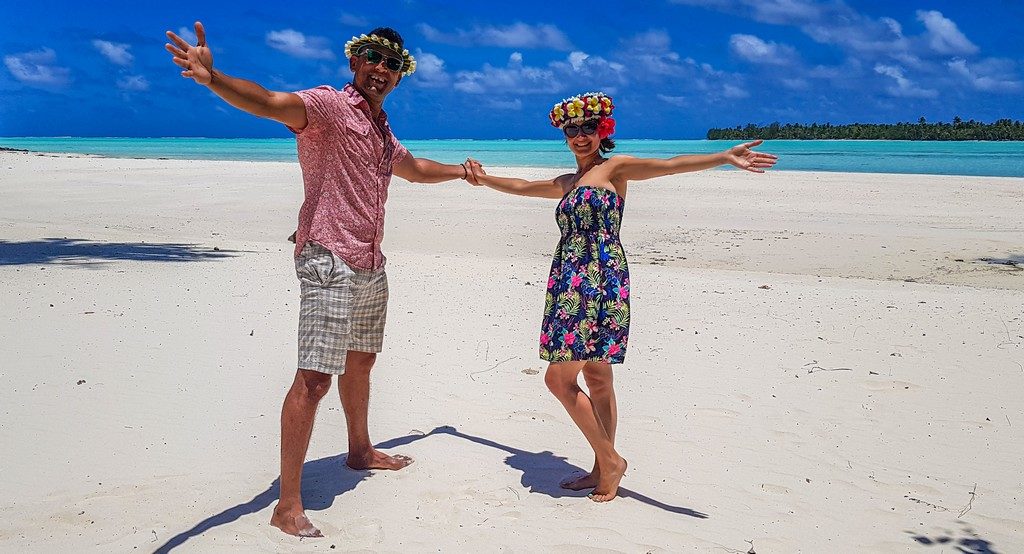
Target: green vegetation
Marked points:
1003	129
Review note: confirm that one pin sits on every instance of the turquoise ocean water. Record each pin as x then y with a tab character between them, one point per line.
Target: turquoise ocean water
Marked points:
1003	159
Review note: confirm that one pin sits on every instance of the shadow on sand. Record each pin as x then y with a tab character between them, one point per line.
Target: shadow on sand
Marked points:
1014	262
325	479
90	253
968	541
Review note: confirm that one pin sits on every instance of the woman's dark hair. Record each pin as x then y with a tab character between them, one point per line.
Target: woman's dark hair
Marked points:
607	145
390	34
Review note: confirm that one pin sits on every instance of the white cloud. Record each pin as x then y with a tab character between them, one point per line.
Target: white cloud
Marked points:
516	78
943	35
673	100
134	83
430	71
37	68
187	34
576	59
116	53
991	75
733	91
514	104
516	35
353	20
905	88
296	44
754	49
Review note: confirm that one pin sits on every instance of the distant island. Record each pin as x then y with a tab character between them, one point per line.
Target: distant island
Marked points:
958	129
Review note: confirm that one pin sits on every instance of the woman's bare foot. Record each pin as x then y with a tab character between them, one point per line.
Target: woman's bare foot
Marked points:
295	524
608	486
375	459
578	482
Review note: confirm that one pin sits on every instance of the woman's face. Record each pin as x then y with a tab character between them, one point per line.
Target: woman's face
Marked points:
582	139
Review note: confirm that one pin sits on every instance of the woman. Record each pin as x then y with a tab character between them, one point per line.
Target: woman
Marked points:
586	313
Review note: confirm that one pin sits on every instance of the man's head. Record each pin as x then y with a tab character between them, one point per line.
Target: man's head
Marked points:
378	61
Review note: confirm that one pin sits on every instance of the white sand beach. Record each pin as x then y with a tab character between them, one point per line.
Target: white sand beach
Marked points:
819	362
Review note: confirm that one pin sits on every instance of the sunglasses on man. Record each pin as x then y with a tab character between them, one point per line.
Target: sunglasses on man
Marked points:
374	57
587	128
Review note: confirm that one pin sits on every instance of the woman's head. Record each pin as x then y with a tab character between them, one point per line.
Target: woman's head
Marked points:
586	122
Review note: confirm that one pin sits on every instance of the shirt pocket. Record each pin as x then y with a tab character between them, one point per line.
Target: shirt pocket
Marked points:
361	143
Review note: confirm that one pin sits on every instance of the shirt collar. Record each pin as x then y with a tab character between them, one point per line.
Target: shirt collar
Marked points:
355	98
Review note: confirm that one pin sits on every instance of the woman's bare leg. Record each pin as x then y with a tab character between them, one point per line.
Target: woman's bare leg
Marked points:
598	376
561	379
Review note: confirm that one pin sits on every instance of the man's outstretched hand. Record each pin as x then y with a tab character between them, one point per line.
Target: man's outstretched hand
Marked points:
197	61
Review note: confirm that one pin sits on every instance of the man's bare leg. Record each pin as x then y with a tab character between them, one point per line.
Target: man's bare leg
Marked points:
561	379
354	389
598	376
297	416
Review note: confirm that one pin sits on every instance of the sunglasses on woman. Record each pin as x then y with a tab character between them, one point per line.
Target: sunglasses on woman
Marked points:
587	128
374	57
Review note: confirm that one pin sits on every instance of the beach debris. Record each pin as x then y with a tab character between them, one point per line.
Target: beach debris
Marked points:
765	287
251	332
88	313
80	382
531	371
970	503
492	368
816	368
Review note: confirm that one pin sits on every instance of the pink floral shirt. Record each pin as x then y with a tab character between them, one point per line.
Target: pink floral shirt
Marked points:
346	162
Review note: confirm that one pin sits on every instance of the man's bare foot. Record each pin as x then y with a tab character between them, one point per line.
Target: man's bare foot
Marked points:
375	459
295	524
608	486
580	482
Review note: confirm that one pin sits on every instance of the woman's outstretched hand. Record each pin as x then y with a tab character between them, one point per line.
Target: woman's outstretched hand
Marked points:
743	157
475	171
197	61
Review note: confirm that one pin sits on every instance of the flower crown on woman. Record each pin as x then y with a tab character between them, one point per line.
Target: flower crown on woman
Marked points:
583	107
353	47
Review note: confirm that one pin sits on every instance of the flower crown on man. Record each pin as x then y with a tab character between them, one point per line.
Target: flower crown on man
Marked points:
387	38
585	107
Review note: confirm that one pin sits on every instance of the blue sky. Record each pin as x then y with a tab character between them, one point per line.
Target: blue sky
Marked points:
674	67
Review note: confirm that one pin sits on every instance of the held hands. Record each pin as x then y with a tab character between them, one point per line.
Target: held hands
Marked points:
743	157
473	171
197	61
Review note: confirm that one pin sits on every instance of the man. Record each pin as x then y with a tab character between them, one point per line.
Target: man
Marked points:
347	153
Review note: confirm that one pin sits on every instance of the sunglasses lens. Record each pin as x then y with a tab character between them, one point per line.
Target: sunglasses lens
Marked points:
571	130
394	64
589	127
373	56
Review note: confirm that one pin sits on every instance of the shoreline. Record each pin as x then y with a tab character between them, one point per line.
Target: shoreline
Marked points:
521	168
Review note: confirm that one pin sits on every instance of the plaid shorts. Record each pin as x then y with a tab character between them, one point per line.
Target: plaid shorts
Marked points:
341	309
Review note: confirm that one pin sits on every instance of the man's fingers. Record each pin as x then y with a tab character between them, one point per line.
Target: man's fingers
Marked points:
182	63
178	52
200	34
180	42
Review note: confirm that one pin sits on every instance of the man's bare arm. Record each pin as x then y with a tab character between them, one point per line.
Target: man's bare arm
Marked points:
197	64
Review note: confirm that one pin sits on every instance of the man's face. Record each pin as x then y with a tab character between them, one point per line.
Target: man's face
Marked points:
374	80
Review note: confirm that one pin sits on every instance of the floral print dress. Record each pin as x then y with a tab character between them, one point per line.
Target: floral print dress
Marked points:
586	309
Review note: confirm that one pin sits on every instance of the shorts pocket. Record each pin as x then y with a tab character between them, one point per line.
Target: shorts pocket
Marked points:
315	265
